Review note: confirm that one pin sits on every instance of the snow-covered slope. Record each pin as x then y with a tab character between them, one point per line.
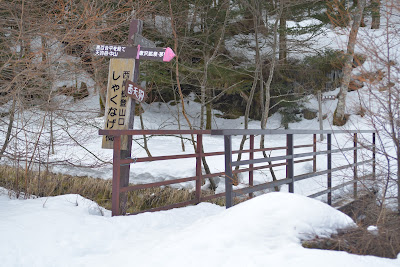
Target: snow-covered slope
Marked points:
68	231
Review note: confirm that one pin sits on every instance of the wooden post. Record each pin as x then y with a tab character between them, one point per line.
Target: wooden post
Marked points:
116	177
137	27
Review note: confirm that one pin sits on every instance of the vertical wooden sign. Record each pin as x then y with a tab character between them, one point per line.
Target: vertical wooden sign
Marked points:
118	104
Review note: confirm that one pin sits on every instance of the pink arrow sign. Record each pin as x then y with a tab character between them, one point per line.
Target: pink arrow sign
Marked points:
155	53
169	55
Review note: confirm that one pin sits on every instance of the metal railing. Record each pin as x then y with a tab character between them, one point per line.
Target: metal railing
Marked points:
289	159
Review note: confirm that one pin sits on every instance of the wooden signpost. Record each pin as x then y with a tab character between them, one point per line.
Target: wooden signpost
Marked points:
124	66
123	91
118	105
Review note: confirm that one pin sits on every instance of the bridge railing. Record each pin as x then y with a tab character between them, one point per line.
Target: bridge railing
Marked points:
121	163
290	157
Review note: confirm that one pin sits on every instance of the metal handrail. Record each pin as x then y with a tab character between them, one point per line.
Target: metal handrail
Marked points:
229	163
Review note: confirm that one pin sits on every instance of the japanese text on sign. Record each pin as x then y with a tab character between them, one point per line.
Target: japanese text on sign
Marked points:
109	50
151	53
116	109
117	105
135	91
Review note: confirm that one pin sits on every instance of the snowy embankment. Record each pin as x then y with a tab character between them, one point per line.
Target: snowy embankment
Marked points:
267	230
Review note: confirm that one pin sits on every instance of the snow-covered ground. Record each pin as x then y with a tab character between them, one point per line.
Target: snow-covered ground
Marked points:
69	230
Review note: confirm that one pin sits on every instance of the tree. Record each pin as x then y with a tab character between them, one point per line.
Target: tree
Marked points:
283	7
381	100
339	114
375	12
42	46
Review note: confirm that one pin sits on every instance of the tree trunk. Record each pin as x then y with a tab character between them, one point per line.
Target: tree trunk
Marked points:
9	129
339	118
246	114
146	148
213	185
267	90
208	114
282	33
398	177
178	117
376	14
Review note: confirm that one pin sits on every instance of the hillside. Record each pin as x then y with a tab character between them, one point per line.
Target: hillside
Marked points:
240	64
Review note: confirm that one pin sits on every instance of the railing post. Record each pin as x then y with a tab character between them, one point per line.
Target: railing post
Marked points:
355	167
115	210
199	154
228	171
290	161
329	167
124	174
373	157
314	150
251	156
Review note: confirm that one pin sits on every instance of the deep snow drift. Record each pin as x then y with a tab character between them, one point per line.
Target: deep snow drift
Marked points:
265	231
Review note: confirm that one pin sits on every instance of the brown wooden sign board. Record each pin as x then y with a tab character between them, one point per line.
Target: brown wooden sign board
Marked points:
135	91
155	54
118	104
116	51
132	52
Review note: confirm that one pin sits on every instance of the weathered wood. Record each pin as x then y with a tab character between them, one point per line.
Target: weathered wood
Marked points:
118	105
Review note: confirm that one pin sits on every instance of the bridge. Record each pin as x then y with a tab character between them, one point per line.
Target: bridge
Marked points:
362	141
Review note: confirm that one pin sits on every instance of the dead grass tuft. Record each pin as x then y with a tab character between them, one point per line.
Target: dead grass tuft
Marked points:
383	243
43	184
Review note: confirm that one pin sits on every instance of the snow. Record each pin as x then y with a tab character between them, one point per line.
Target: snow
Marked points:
69	230
373	229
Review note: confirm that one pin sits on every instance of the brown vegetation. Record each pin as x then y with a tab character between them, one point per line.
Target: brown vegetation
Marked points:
385	242
44	184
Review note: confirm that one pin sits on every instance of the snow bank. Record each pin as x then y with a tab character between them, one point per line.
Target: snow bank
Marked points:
68	231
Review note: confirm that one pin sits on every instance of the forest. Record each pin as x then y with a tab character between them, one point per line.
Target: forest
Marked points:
247	64
245	59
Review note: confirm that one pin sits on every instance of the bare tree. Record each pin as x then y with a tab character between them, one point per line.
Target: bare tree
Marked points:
43	47
375	10
339	115
381	103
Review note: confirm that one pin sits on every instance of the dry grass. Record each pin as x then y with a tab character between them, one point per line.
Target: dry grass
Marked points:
42	184
360	241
